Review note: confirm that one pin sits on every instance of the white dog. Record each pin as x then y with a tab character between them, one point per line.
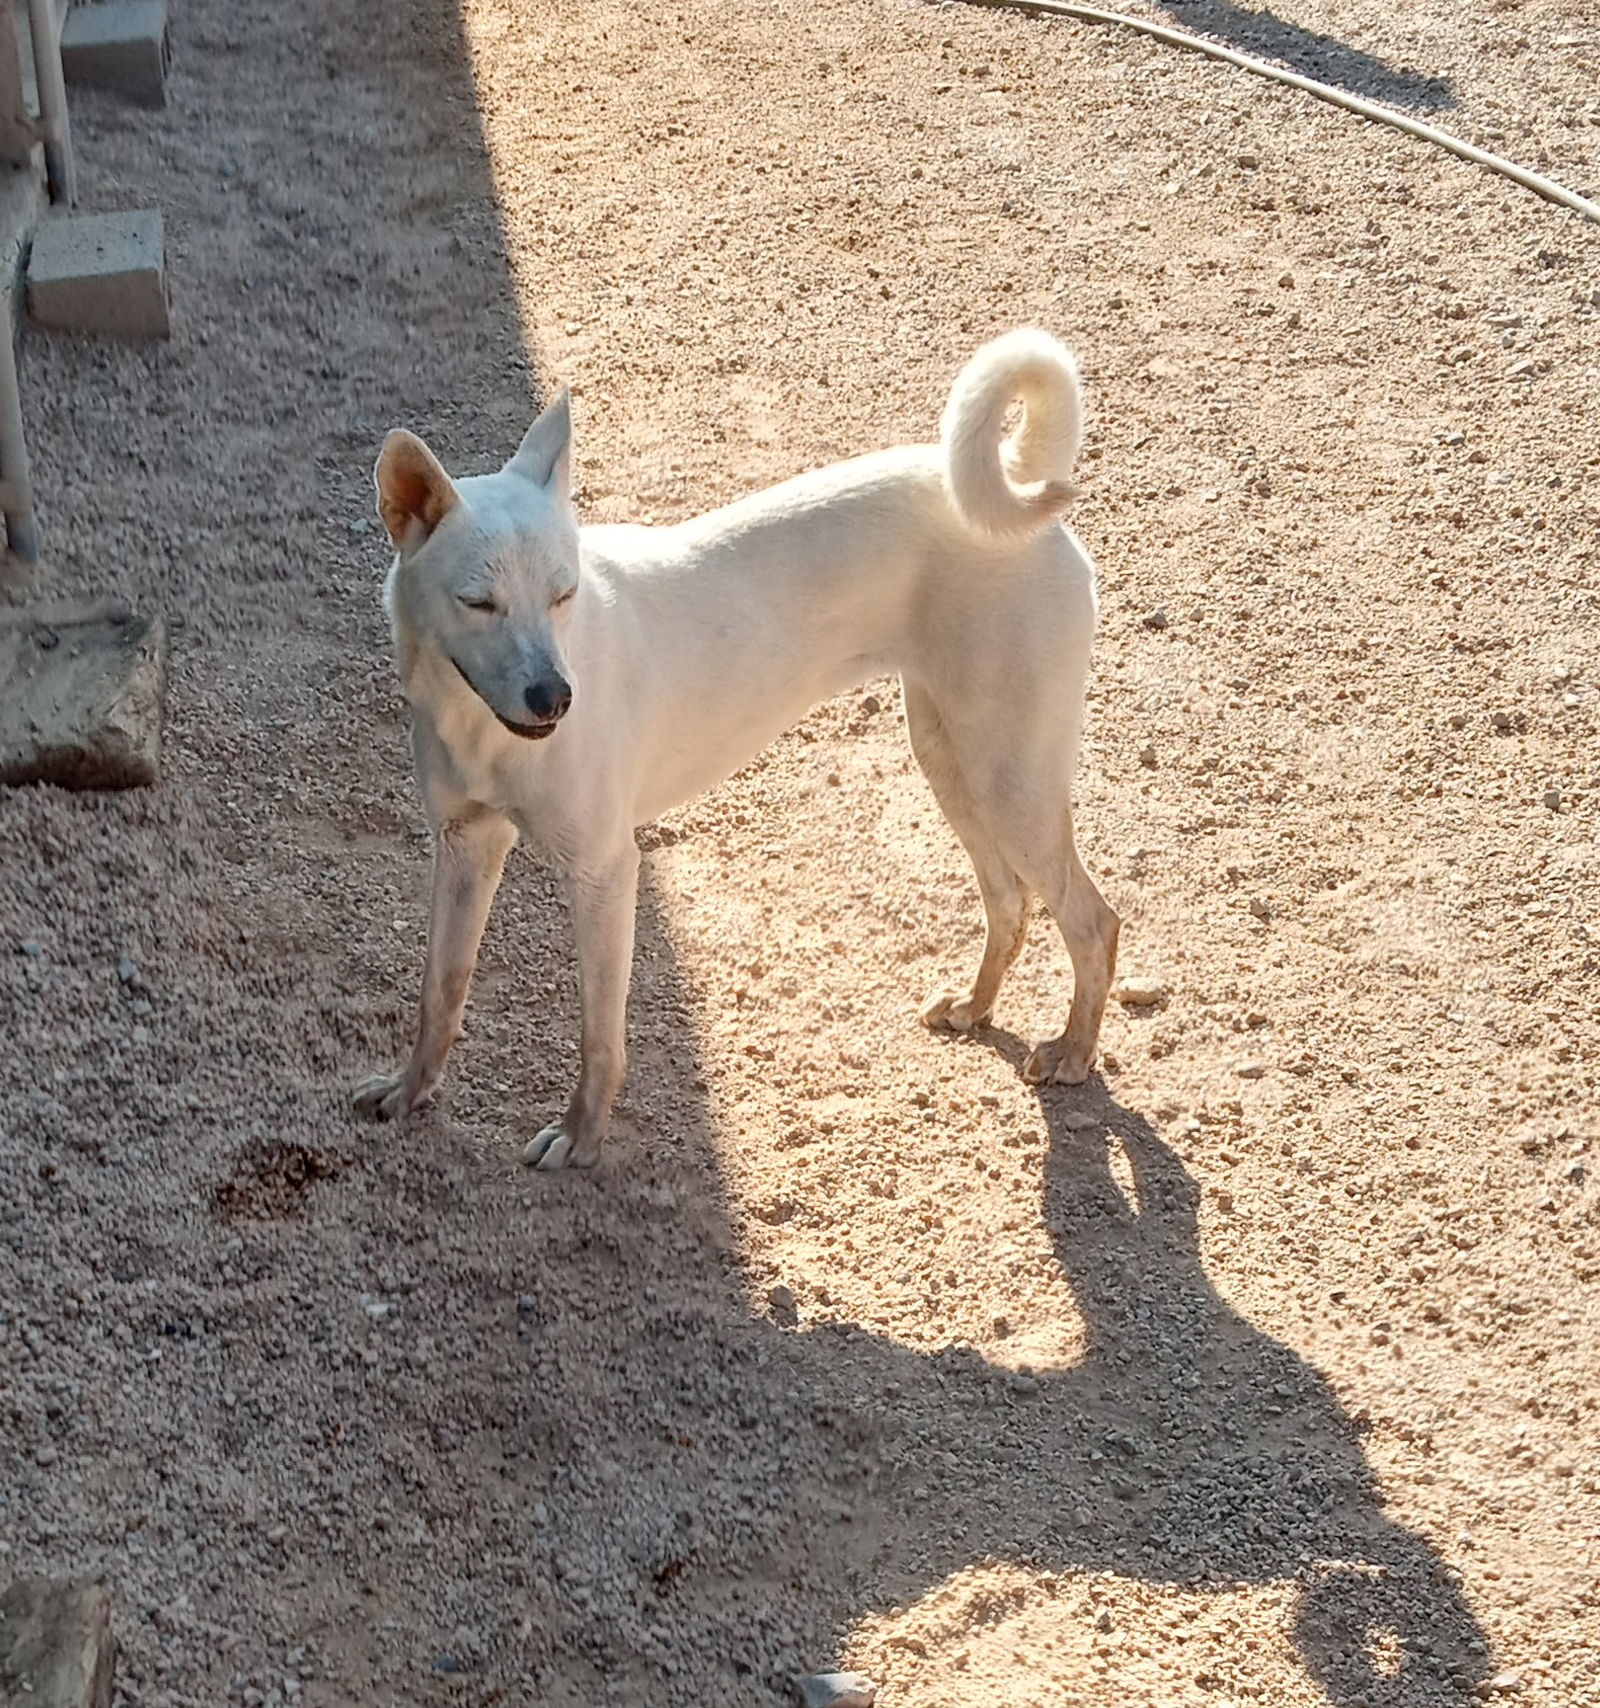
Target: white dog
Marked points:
575	685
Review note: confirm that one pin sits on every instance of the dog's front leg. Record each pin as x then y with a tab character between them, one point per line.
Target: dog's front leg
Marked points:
603	895
469	853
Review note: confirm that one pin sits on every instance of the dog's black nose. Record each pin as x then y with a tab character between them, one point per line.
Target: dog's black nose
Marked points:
548	699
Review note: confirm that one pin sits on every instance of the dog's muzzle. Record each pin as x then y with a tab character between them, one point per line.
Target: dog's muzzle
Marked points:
534	729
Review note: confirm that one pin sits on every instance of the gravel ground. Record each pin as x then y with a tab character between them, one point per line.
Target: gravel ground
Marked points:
1262	1369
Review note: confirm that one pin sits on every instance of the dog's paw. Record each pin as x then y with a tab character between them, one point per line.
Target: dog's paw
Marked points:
385	1097
1055	1062
950	1011
555	1148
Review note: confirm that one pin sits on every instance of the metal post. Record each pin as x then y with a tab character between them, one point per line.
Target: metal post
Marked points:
16	486
52	101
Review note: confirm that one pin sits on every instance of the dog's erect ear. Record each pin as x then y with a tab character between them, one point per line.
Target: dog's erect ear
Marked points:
545	454
414	492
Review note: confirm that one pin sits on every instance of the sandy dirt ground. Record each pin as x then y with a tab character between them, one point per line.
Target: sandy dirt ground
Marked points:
1261	1369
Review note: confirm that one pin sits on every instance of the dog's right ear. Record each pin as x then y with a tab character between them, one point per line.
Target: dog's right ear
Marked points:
414	492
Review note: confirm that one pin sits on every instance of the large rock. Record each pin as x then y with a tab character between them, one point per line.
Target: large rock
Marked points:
81	691
56	1648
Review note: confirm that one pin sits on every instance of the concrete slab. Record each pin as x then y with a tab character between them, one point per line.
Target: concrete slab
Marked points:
101	273
56	1648
120	45
81	695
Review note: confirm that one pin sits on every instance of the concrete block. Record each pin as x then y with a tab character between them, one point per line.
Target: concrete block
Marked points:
120	45
102	273
81	694
56	1648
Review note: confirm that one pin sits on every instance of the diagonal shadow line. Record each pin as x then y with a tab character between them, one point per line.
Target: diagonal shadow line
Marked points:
1312	53
1256	1472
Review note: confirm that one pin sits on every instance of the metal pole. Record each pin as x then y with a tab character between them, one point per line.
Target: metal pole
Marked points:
16	486
52	101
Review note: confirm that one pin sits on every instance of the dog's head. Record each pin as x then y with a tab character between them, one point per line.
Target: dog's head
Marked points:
486	570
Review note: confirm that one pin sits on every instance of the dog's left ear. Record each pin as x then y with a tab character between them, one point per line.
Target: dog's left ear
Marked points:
545	454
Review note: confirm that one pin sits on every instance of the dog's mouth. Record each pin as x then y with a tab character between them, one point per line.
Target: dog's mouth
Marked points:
535	731
528	732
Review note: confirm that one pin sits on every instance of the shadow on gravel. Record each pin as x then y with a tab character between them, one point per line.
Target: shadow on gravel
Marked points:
1190	1448
1311	54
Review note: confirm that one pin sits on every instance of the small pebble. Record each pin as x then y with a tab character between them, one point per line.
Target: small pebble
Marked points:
836	1690
31	949
1552	799
128	970
527	1304
1157	620
783	1305
1506	1683
1139	992
1251	1070
446	1663
1147	755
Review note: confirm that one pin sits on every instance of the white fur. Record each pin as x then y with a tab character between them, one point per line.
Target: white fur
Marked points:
688	648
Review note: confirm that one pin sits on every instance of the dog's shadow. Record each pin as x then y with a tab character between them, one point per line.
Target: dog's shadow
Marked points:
1187	1447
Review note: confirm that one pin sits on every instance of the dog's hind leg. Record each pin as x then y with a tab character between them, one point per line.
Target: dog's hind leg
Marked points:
469	853
1012	809
603	893
1006	898
1089	926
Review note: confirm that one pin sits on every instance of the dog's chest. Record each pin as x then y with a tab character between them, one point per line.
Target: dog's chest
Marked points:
497	780
482	765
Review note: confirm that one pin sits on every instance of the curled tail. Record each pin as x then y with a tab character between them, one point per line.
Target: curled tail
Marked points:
1016	485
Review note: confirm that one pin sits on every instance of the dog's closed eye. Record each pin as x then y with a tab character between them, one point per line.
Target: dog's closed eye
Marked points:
476	602
561	599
